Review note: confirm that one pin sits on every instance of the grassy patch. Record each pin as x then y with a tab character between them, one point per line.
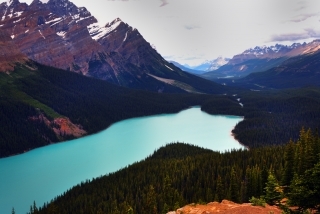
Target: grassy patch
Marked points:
9	88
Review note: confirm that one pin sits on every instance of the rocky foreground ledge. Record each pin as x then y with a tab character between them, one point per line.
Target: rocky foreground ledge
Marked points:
226	207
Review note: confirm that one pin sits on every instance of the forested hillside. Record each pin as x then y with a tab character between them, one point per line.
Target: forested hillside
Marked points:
34	96
179	174
270	117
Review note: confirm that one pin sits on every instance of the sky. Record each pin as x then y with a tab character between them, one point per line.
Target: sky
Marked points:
193	31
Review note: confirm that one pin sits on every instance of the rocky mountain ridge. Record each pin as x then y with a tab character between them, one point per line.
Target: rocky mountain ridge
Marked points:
62	35
276	51
9	53
262	58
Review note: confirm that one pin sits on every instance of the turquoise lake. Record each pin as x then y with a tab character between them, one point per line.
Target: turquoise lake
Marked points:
42	174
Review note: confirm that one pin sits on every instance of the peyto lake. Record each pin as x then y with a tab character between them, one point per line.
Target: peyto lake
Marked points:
42	174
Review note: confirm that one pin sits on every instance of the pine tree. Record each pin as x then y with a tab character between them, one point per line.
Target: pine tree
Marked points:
305	189
151	201
234	187
289	164
273	190
219	190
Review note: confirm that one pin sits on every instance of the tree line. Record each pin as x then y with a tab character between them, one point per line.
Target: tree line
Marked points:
180	174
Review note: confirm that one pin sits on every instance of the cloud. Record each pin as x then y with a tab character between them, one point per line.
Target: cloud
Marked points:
164	3
191	27
309	33
303	17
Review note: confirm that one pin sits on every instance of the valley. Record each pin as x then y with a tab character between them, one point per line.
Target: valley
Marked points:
67	81
120	145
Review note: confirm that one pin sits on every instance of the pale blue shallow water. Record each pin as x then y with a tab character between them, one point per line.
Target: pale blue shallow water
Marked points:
44	173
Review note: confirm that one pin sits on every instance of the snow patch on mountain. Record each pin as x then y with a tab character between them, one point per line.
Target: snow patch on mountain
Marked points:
62	34
98	32
212	64
169	68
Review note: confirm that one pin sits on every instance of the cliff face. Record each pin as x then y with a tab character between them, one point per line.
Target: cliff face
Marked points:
62	35
9	53
54	34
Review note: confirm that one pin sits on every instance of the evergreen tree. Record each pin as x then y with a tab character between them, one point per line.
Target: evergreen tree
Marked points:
288	171
305	189
273	190
151	201
234	187
219	195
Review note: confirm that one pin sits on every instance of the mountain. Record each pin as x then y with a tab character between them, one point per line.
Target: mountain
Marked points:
261	59
40	105
9	53
62	35
212	65
184	68
298	71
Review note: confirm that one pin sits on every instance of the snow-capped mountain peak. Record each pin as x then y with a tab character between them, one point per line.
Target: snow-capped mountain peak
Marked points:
211	65
97	32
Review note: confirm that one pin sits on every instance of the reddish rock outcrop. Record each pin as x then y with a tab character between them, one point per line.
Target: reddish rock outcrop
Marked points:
226	207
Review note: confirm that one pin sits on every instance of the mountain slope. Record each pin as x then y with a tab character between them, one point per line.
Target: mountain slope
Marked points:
260	59
189	70
40	105
174	175
9	53
62	35
295	72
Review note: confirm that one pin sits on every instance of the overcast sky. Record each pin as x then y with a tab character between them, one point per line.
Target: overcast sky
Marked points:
192	31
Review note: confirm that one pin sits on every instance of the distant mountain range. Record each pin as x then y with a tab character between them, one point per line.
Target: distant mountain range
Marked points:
277	66
203	67
298	71
261	59
187	68
212	65
62	35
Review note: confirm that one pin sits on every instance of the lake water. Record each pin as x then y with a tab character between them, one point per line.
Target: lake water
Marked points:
42	174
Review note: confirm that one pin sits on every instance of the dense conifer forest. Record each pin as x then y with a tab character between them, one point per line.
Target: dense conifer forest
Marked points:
179	174
270	117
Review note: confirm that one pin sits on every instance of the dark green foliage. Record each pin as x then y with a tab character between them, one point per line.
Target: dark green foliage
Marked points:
18	131
275	117
305	189
273	191
170	178
257	201
92	103
288	171
171	182
234	187
271	117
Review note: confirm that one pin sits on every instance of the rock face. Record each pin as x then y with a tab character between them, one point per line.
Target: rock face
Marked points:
54	34
60	34
262	58
226	207
9	53
276	51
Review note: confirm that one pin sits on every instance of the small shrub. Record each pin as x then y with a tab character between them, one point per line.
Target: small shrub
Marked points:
257	202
